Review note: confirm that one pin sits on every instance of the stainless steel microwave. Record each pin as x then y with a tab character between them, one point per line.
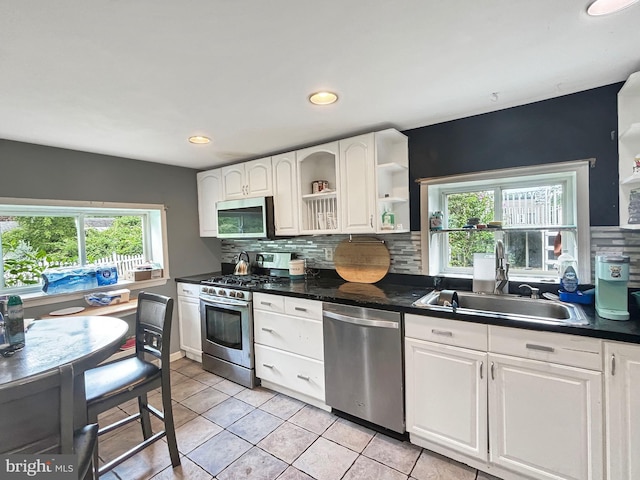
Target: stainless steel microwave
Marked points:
246	218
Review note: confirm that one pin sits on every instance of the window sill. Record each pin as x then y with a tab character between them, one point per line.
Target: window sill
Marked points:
40	298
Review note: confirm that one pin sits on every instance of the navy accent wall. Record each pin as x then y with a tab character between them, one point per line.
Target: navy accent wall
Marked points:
573	127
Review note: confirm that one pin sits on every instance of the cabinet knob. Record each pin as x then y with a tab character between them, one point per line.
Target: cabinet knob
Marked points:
267	365
301	309
303	377
265	329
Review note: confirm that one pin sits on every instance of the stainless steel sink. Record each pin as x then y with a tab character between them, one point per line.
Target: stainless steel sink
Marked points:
512	307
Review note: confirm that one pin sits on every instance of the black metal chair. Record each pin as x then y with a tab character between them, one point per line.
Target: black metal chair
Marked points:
36	415
114	383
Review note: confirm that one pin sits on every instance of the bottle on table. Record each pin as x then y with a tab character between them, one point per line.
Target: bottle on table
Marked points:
14	324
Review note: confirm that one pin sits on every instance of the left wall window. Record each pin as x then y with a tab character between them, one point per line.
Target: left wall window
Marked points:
36	235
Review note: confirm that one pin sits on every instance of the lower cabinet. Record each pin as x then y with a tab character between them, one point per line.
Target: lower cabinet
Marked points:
189	320
517	403
622	393
289	346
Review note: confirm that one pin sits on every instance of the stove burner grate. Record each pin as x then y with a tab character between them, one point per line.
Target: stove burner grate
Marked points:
245	280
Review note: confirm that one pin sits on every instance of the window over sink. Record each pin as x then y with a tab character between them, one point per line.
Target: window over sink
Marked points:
532	209
41	234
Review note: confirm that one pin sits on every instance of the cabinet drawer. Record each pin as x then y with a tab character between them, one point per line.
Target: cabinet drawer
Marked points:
293	334
188	289
301	374
447	332
303	308
269	303
573	350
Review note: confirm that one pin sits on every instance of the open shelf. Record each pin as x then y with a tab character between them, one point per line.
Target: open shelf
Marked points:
506	229
391	167
319	195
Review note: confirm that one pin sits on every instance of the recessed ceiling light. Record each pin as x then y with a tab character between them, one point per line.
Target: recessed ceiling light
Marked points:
199	139
605	7
323	98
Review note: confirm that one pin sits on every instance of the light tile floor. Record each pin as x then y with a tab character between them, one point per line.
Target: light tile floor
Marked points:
228	432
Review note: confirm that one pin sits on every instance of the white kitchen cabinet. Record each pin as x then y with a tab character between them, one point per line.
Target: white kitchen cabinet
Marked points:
247	180
374	179
545	404
358	189
515	403
628	146
545	419
622	407
285	193
209	193
289	346
446	386
319	212
189	320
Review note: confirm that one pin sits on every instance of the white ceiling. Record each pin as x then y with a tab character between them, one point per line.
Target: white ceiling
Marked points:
135	78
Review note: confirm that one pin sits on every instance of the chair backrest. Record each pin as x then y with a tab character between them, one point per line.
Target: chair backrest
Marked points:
36	413
153	326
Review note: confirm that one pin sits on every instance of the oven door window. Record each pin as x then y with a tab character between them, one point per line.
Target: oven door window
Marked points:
224	327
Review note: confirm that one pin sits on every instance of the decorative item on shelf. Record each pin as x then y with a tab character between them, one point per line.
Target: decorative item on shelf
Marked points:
435	222
636	164
634	207
388	220
318	186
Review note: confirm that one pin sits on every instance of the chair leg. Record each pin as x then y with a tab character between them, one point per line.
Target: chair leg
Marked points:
92	473
169	426
144	416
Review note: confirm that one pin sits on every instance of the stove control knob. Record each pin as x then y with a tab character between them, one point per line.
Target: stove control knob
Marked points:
240	294
221	292
232	293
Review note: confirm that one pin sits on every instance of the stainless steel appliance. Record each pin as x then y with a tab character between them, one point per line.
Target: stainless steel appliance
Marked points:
226	313
246	218
363	364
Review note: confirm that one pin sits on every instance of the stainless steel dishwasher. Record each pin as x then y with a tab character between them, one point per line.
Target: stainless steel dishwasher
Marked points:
363	364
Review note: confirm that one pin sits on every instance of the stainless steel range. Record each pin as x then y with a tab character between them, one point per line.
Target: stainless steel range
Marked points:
226	312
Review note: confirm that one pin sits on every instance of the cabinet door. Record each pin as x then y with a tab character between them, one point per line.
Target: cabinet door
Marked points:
357	173
258	178
545	420
622	390
446	396
189	323
233	182
285	193
209	192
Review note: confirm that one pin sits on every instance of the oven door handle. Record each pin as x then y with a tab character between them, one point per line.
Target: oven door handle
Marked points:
222	302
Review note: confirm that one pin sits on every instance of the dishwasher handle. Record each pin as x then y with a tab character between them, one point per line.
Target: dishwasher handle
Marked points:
361	321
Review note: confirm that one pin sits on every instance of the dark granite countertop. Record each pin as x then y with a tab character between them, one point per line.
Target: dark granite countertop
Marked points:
400	297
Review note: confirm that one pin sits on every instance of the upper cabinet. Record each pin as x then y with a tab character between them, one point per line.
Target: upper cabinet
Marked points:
355	185
320	205
357	168
209	193
628	150
248	179
374	169
285	193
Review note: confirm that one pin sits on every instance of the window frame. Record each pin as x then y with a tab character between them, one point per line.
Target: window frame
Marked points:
431	199
154	238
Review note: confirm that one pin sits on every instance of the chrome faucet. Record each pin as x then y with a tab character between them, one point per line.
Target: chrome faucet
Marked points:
502	270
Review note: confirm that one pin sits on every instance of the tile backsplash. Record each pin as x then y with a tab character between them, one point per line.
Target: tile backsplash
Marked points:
406	255
403	247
